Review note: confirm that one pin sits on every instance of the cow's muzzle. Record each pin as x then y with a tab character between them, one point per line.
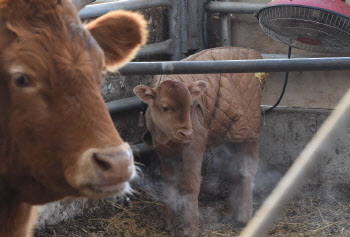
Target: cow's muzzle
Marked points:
106	172
184	135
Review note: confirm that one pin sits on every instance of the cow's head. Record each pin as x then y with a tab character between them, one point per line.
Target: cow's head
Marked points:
169	105
56	136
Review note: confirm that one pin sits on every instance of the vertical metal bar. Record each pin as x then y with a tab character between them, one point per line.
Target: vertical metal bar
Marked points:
300	170
175	29
194	19
184	26
226	29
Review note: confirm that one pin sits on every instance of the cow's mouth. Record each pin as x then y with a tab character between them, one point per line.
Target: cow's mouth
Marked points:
111	188
181	140
107	190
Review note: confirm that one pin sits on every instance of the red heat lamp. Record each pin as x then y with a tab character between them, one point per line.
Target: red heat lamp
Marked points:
313	25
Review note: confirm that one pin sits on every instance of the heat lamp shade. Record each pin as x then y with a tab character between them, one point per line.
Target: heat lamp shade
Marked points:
313	25
337	6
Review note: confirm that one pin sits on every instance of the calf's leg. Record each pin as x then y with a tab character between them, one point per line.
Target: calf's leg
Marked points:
244	166
170	172
191	180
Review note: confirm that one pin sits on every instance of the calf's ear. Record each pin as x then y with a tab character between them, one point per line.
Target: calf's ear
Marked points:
120	34
197	88
145	93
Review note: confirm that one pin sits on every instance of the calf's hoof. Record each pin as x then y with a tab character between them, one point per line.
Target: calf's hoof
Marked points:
170	226
170	223
191	232
244	217
225	219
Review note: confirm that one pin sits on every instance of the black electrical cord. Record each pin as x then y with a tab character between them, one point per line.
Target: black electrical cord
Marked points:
284	86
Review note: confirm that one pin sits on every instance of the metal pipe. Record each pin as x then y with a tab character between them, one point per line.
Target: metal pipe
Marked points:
184	25
165	47
226	30
124	105
141	149
234	7
302	168
103	8
175	29
236	66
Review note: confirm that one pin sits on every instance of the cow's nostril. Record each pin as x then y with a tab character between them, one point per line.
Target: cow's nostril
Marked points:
185	134
101	163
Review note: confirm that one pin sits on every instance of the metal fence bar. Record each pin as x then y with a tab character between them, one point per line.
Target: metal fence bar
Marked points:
165	48
103	8
175	28
234	7
236	66
226	29
124	105
302	167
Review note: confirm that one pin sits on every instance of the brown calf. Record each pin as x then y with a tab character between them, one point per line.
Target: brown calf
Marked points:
57	139
189	113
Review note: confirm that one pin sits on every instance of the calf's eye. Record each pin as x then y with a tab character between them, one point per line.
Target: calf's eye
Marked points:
165	109
22	80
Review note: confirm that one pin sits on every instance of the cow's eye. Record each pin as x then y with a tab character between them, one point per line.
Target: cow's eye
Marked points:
22	80
165	109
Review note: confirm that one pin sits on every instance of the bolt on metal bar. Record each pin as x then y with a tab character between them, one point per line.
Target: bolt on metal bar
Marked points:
236	66
300	170
234	7
103	8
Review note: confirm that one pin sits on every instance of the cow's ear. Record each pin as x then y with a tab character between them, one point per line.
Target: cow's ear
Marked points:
197	88
120	34
145	93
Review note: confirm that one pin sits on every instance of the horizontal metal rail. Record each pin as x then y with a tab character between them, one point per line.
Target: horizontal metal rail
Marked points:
132	5
302	168
141	149
234	7
124	105
162	48
236	66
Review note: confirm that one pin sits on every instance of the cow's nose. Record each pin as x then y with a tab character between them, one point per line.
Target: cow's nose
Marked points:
113	164
186	134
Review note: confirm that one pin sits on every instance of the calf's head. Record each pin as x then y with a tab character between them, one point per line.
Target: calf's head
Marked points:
169	105
56	136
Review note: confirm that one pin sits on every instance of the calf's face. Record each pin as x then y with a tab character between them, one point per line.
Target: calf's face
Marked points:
170	107
58	139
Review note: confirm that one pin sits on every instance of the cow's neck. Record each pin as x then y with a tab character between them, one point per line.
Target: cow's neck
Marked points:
17	218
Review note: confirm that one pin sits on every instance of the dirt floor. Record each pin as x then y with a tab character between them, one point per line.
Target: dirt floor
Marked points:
316	211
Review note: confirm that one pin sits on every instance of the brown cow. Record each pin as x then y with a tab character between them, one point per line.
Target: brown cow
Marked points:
57	139
185	117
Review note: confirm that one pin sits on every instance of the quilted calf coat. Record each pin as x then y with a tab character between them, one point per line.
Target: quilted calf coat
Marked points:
231	103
